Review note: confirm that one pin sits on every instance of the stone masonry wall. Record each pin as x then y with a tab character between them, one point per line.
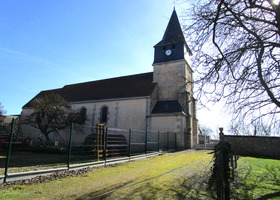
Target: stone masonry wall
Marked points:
255	145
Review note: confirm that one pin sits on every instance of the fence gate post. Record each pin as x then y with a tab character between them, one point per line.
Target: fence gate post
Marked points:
100	140
232	167
105	145
97	141
205	141
9	150
146	141
158	140
175	141
167	141
70	146
235	161
129	143
220	176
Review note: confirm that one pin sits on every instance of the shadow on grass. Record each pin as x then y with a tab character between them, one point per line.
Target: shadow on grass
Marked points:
103	193
191	187
252	185
269	196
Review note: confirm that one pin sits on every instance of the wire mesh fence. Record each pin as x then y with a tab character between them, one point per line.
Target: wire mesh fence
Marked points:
76	145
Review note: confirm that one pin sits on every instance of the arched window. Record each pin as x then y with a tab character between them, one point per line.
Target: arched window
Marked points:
104	115
83	113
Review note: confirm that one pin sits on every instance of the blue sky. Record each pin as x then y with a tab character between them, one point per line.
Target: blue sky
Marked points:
46	44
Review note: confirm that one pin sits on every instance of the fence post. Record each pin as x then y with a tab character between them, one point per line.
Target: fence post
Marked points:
9	150
146	141
158	140
97	131
129	143
167	141
106	141
235	161
221	134
220	176
205	141
232	167
70	146
175	141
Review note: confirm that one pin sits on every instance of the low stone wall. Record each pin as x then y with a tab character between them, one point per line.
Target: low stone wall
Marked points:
255	145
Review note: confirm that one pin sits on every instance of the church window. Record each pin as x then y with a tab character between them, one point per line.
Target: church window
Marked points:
83	114
173	46
104	114
163	48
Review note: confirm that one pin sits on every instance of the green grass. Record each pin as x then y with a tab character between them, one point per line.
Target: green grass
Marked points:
162	177
181	175
258	179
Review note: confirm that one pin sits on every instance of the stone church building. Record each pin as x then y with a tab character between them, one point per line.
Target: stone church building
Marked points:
161	100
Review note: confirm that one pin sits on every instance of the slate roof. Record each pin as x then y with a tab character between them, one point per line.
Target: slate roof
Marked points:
167	106
173	33
138	85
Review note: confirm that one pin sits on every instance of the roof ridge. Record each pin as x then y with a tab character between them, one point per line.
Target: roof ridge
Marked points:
106	79
137	85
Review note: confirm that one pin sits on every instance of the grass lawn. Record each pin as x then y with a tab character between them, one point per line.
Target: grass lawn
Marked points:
180	175
257	179
162	177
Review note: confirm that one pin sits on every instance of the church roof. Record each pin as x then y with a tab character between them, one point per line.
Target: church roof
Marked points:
138	85
173	33
167	106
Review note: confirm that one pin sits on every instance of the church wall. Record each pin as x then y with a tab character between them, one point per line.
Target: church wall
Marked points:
187	55
171	78
28	131
122	114
189	80
195	131
171	123
154	98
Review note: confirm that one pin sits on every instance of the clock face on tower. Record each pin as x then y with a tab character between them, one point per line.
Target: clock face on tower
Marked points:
168	52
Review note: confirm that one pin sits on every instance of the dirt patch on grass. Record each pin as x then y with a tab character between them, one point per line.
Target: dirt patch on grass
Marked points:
50	177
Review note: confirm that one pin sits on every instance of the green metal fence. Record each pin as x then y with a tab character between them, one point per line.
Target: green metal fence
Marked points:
78	147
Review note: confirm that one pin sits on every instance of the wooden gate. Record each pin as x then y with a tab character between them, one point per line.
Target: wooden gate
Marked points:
101	135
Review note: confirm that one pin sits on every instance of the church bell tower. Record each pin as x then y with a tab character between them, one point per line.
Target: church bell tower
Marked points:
173	46
173	75
172	64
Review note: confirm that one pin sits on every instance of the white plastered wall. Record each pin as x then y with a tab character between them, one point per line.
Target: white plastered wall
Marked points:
172	123
122	114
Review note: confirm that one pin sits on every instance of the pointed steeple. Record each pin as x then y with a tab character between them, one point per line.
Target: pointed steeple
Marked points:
173	33
173	46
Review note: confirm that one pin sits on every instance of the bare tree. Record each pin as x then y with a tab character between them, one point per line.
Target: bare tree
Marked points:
236	46
52	113
2	112
257	128
205	130
239	128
